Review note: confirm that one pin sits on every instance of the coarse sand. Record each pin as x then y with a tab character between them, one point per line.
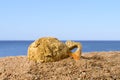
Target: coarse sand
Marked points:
92	66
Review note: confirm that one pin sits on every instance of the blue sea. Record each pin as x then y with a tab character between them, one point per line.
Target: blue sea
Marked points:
15	48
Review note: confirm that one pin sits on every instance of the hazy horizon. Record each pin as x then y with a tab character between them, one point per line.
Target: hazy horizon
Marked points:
64	19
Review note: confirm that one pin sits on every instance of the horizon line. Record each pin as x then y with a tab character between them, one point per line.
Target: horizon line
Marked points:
63	40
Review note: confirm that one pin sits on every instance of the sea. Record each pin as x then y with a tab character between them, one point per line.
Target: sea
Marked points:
18	48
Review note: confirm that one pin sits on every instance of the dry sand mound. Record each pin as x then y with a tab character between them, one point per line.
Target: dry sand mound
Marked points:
92	66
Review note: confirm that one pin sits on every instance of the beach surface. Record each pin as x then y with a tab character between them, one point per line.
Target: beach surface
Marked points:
92	66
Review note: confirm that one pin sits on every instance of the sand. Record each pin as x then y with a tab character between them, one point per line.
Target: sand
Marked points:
92	66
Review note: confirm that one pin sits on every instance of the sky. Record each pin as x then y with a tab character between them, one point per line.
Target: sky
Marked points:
63	19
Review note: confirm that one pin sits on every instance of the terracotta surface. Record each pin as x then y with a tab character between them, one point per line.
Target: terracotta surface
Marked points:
50	49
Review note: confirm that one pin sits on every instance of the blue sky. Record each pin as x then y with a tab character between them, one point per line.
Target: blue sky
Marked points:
64	19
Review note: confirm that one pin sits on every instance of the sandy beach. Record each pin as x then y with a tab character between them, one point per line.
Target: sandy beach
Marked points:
92	66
